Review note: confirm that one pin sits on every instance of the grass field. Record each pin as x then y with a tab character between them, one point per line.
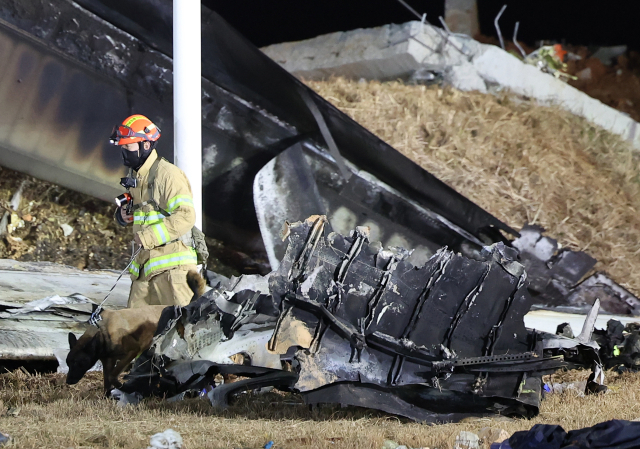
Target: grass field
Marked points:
54	415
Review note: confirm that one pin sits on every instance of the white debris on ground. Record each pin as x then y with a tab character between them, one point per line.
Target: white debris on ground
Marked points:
169	439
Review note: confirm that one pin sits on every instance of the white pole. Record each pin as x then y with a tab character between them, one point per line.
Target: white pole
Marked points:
187	97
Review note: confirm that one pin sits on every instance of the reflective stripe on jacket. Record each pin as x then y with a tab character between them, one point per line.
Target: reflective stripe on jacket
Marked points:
158	233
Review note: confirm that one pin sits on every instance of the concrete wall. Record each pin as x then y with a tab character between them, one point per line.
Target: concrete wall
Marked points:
402	51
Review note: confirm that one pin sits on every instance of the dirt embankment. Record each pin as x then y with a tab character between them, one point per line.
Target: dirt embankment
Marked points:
616	85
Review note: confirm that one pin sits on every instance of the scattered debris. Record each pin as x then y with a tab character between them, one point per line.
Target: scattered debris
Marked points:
390	444
66	229
556	277
608	55
576	388
76	302
347	315
490	435
125	399
169	439
550	59
4	439
13	411
8	222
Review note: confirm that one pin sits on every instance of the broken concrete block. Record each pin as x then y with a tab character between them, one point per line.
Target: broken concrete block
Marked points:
385	52
467	440
465	77
497	66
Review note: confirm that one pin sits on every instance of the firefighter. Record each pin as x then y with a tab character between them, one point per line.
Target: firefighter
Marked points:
159	203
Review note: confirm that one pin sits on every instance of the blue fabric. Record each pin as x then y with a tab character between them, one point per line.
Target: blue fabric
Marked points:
615	433
540	436
610	434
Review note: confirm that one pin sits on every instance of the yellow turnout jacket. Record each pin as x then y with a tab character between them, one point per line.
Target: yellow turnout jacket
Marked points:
163	212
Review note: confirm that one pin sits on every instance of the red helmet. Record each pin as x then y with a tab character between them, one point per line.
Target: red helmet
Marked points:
136	128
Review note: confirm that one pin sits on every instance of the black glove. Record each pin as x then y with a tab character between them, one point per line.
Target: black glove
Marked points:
122	221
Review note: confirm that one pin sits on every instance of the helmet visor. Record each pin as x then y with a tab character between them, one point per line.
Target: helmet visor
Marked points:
123	132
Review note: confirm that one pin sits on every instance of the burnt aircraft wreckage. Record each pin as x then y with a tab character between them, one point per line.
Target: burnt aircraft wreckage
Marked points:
273	150
429	334
343	320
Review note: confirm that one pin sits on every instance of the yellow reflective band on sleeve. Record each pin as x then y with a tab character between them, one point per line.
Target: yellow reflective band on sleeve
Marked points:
134	268
171	260
179	200
147	218
162	235
616	351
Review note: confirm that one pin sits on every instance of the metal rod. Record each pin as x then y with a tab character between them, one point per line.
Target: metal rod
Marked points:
187	96
515	40
413	11
495	23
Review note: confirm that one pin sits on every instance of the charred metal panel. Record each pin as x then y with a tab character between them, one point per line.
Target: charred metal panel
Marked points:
379	320
558	277
55	113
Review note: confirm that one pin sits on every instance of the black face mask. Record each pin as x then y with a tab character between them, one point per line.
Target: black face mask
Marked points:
135	159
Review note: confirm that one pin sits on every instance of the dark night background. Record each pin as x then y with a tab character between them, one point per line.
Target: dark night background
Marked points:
267	22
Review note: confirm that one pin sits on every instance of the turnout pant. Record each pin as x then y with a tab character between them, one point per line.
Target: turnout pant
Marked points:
168	288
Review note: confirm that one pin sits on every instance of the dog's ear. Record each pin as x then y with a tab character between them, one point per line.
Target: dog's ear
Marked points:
93	347
72	340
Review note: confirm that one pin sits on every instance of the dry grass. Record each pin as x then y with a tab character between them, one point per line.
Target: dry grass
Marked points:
53	414
522	162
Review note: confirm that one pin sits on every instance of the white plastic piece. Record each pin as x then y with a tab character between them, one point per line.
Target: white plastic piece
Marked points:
169	439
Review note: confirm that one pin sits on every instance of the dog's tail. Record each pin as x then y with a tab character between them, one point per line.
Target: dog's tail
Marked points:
196	284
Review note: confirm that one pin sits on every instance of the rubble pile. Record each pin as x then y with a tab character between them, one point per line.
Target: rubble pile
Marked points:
614	80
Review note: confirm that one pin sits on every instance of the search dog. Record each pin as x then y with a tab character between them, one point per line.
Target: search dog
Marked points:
118	338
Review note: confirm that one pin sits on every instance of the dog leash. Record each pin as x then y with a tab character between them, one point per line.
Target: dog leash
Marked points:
95	316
